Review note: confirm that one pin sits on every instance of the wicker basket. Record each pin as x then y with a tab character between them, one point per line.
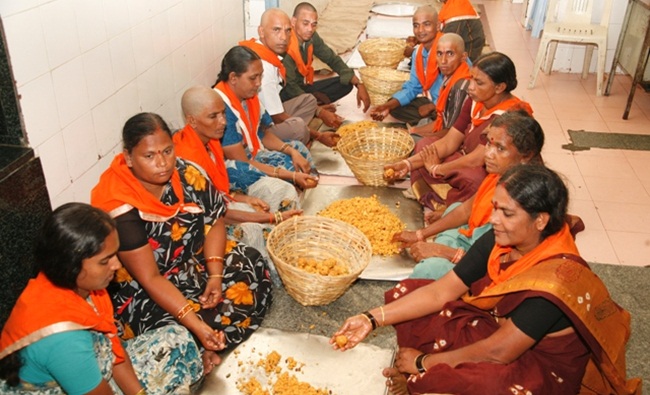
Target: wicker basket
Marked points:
382	82
377	99
367	152
385	52
317	238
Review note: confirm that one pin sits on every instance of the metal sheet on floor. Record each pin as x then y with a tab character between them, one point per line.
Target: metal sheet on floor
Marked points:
396	267
353	372
329	161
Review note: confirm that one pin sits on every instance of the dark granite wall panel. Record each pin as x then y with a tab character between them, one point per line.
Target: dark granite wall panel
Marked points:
24	205
11	131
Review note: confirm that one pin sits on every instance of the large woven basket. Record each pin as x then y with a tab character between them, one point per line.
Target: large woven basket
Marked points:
367	152
382	82
317	238
385	52
377	99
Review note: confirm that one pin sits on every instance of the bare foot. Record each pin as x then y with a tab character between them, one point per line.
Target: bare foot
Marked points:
396	382
210	360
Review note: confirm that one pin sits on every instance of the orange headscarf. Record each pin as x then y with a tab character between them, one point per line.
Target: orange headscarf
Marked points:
306	70
427	77
118	192
188	145
455	8
514	103
558	243
249	121
461	73
266	54
44	309
482	205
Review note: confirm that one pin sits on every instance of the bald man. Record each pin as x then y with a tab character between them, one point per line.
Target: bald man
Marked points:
460	17
291	118
451	57
423	86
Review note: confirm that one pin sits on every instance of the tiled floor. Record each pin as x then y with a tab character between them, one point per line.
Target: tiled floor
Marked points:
610	189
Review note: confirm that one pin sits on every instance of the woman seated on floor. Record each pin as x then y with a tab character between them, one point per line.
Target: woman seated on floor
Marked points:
249	218
520	313
456	158
178	267
61	335
512	138
250	149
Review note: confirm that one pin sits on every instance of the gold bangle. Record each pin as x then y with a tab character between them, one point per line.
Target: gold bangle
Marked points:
284	147
215	276
276	172
383	317
293	177
141	392
214	258
183	311
278	217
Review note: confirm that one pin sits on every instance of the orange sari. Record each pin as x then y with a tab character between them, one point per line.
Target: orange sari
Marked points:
44	309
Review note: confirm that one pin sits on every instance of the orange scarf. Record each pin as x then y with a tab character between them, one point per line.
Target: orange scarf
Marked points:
559	243
44	309
249	121
266	54
514	103
188	145
118	191
306	70
482	206
455	8
461	73
427	77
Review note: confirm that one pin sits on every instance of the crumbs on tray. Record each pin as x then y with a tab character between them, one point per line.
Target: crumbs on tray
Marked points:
279	381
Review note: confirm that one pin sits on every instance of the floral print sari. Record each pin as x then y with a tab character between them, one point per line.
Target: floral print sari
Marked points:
177	246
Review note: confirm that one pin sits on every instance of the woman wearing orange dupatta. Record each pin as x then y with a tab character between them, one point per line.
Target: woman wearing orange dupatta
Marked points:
249	218
251	150
512	138
61	336
178	267
457	159
521	313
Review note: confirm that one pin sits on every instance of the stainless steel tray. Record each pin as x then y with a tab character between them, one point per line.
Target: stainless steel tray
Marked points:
353	372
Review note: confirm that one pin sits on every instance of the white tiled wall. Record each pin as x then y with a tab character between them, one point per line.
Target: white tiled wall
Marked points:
82	67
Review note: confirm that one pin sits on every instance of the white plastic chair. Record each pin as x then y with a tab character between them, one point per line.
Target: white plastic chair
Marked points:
570	21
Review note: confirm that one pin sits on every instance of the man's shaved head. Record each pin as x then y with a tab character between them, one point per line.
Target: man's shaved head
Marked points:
427	10
275	30
454	39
